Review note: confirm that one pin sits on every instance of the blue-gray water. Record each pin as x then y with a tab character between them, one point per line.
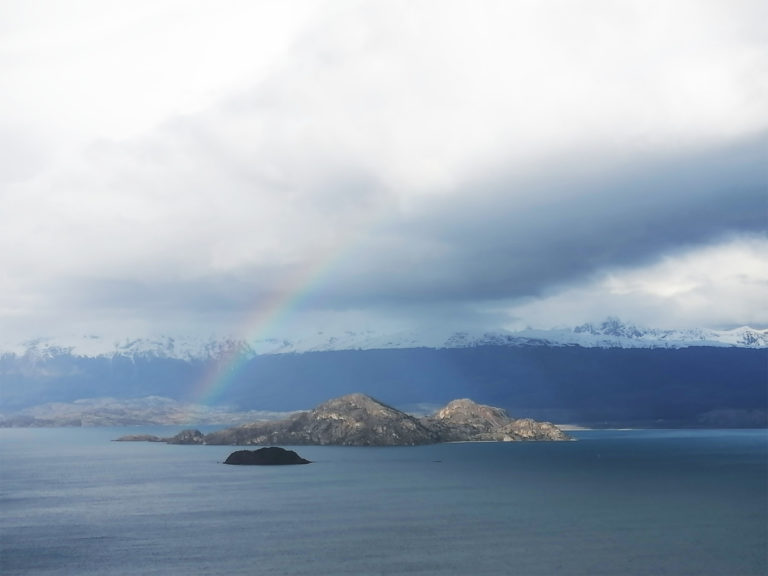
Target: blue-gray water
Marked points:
614	502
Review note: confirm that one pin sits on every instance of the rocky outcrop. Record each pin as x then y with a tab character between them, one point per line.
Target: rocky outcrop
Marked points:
352	420
272	456
465	420
359	420
187	437
525	429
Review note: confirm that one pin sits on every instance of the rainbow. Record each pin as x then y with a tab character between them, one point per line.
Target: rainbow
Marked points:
269	313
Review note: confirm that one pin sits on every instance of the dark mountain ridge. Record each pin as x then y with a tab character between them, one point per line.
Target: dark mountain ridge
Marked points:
713	386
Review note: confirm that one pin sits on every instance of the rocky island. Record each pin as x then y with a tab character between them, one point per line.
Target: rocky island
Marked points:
272	456
359	420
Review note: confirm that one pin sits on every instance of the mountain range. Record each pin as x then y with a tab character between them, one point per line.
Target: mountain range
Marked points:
610	333
587	375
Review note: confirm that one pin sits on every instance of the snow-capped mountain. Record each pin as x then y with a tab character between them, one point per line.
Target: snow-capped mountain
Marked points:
611	333
188	348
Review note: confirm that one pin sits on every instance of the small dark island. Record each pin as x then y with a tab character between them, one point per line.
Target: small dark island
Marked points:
272	456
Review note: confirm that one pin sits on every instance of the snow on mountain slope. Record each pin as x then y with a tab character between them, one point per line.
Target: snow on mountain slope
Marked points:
187	348
611	333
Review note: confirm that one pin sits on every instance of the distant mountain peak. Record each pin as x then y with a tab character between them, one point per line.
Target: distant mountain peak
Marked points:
611	326
616	333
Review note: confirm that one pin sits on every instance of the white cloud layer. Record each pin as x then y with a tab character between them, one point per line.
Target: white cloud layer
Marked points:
179	166
726	283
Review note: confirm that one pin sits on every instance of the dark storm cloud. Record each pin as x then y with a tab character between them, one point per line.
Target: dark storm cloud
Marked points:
498	238
513	238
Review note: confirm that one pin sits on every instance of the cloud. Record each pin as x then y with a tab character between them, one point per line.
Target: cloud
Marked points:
723	285
515	237
112	70
453	163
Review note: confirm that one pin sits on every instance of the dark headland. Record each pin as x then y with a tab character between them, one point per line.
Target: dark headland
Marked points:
359	420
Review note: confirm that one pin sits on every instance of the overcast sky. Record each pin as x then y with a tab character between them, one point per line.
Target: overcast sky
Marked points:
277	168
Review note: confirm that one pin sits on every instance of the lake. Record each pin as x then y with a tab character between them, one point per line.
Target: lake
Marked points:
636	502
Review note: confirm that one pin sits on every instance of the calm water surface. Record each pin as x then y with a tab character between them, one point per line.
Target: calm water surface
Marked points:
614	503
